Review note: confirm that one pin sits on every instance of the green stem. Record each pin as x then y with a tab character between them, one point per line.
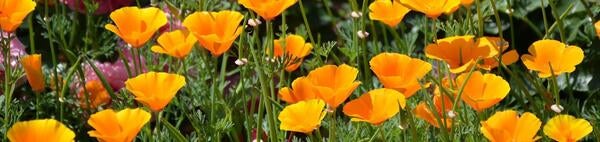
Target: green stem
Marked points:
480	18
561	27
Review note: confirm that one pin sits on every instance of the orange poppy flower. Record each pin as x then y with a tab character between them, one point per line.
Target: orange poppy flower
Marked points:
566	128
33	69
155	90
215	31
460	52
12	13
549	57
432	8
399	72
387	11
176	43
47	130
597	25
500	46
507	126
466	3
296	49
267	9
97	95
304	116
301	90
334	84
136	25
375	106
122	126
482	91
442	105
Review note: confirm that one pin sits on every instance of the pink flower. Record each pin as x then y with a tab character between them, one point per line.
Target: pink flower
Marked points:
105	6
174	21
17	49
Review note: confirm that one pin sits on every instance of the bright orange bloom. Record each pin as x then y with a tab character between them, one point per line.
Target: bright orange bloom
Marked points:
375	106
122	126
499	46
176	43
296	49
136	25
387	11
597	25
97	95
566	128
33	69
301	90
432	8
460	52
304	116
400	72
466	3
482	90
507	126
549	57
442	105
12	13
267	9
215	31
41	130
334	84
155	90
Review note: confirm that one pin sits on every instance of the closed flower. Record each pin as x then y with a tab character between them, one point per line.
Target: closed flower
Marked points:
432	8
500	46
267	9
551	57
215	31
375	106
303	117
508	126
136	25
176	43
302	89
482	91
33	69
566	128
334	84
96	95
122	126
155	90
12	13
400	72
597	25
296	49
46	130
442	104
460	52
389	12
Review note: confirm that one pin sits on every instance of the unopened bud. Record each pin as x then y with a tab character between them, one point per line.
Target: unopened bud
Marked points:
362	34
557	108
451	114
254	22
241	61
356	14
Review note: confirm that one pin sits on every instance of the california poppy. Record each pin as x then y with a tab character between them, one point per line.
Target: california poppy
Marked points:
375	106
136	25
460	52
296	49
432	8
47	130
500	46
507	126
466	3
551	57
155	90
566	128
442	105
176	43
389	12
97	95
301	90
215	31
334	84
597	25
267	9
33	69
400	72
12	13
122	126
304	116
482	91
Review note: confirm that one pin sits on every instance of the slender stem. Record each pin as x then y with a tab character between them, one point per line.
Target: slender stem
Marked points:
544	16
500	32
332	128
479	18
561	27
306	24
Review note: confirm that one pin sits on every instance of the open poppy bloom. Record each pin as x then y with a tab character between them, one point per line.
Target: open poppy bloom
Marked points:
304	116
508	126
267	9
551	57
432	8
482	91
12	13
136	25
500	46
155	90
566	128
460	52
96	95
442	105
122	126
215	31
296	49
389	12
176	43
400	72
46	130
375	106
301	90
33	69
334	84
597	25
